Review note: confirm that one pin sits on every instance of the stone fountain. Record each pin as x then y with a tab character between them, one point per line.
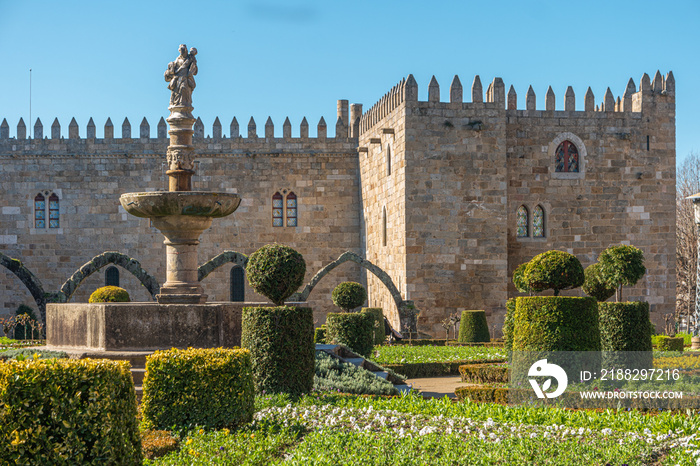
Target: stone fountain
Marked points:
181	317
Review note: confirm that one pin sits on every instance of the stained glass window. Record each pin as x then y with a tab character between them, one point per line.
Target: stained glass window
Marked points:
277	206
291	210
538	222
112	276
53	211
522	222
566	158
39	211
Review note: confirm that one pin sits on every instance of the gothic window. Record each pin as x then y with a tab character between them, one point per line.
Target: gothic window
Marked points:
291	210
277	206
39	211
237	285
566	158
112	276
384	233
388	159
522	222
53	211
538	222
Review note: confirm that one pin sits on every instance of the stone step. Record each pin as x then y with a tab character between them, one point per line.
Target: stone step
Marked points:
403	388
138	374
381	374
355	361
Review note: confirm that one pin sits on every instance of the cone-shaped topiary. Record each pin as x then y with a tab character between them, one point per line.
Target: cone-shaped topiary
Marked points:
621	265
473	327
349	295
109	294
556	270
595	286
276	272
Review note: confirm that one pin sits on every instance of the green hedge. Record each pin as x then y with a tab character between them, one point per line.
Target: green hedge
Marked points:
281	344
482	394
484	373
68	411
473	327
352	330
28	353
423	342
556	323
435	369
109	294
508	325
198	387
665	343
686	338
320	335
625	327
378	324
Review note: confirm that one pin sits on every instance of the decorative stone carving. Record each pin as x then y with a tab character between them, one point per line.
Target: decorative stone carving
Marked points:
180	76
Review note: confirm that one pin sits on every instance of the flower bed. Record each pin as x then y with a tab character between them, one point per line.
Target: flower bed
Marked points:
427	354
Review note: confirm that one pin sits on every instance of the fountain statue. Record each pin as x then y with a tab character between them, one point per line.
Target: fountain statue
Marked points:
181	214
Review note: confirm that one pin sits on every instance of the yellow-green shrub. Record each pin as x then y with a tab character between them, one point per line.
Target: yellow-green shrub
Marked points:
109	294
68	412
198	387
378	325
664	343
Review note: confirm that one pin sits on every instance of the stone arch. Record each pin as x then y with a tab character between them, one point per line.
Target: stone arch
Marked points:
405	309
224	258
29	280
101	260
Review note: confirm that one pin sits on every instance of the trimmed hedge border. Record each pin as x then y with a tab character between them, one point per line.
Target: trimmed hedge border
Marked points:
435	369
664	343
68	411
198	387
482	393
423	342
624	326
281	344
484	373
490	344
378	326
352	330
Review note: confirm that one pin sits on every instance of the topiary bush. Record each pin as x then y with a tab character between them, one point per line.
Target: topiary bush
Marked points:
664	343
519	279
378	325
595	286
320	335
620	266
68	411
556	270
352	330
198	387
335	375
276	272
473	327
625	334
109	294
281	344
508	325
349	295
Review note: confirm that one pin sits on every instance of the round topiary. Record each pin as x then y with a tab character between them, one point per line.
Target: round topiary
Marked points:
594	285
276	272
473	327
556	270
519	279
621	265
349	295
109	294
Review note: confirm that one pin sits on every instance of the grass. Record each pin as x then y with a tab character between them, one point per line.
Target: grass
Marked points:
404	354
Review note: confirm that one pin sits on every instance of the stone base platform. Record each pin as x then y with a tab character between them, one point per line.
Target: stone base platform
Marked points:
107	327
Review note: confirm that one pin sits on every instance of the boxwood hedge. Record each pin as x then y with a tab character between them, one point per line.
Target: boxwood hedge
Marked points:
281	344
378	325
67	411
625	328
664	343
276	271
352	330
109	294
508	325
198	387
473	327
349	295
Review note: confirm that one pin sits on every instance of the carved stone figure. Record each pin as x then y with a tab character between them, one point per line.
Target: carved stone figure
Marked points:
180	76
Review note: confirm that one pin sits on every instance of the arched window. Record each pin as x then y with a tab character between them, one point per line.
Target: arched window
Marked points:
39	211
388	159
277	206
566	158
112	276
237	285
522	222
384	233
291	210
53	211
538	222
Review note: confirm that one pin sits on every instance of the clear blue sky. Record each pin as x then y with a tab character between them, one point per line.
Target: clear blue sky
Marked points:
296	58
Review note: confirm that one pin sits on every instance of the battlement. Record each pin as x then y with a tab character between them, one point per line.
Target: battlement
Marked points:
631	101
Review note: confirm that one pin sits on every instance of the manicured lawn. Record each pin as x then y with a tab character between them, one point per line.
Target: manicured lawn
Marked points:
405	354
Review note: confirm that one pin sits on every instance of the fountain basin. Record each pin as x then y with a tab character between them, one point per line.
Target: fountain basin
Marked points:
180	203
